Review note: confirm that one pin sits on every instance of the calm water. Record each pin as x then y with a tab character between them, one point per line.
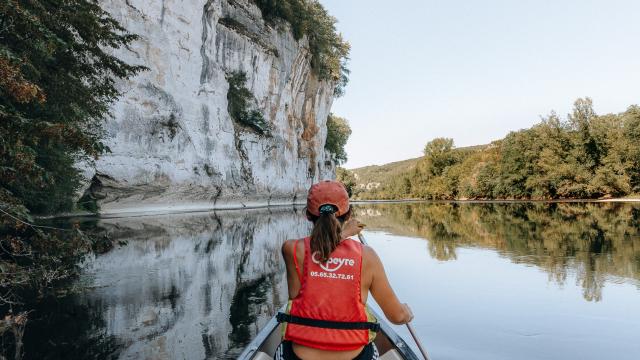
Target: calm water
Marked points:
485	281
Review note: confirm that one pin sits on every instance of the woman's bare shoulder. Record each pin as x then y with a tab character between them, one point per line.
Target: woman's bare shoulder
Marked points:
369	255
287	246
368	251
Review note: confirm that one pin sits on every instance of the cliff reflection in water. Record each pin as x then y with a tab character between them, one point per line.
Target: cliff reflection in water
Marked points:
599	242
185	286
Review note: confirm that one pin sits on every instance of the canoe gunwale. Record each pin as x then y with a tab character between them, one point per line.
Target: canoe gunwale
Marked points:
395	340
260	338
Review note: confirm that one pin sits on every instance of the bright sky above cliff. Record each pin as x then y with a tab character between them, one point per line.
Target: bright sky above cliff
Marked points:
475	70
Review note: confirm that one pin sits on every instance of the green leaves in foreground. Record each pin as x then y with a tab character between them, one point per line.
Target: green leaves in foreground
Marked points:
57	81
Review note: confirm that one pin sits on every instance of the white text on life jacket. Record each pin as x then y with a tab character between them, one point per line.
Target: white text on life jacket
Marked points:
333	264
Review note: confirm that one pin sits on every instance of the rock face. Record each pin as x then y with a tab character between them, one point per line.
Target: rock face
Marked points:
174	144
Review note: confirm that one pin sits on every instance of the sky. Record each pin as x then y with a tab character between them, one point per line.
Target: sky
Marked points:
475	70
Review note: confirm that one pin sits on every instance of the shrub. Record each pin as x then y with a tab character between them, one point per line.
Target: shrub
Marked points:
239	98
347	178
338	132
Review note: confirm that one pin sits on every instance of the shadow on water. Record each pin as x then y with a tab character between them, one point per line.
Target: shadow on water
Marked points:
64	328
243	313
596	241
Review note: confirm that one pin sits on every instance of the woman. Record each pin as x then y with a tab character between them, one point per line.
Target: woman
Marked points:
329	278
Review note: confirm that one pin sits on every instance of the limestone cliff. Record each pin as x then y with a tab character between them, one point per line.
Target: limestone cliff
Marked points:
173	143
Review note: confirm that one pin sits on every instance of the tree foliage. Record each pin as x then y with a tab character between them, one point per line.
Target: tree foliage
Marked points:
57	80
585	156
338	132
60	83
239	100
347	178
438	155
329	51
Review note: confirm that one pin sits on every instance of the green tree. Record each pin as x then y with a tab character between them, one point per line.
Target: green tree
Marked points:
548	167
519	153
439	154
631	131
581	120
54	101
479	173
611	177
57	80
347	178
338	132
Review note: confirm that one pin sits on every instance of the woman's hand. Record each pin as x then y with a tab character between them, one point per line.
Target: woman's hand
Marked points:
351	227
408	313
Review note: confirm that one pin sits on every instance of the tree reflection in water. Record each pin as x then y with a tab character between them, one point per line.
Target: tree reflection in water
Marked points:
596	241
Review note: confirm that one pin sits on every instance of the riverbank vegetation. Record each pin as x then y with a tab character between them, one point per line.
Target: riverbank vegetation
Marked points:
329	51
347	178
56	84
338	132
583	157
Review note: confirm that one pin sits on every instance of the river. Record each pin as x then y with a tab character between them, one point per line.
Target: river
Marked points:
485	281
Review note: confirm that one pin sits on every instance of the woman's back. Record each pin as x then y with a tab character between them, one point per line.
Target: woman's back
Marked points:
371	278
329	278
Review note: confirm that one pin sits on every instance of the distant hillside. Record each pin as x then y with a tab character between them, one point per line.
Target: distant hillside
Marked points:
373	176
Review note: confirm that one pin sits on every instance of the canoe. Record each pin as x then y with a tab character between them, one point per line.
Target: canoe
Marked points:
390	345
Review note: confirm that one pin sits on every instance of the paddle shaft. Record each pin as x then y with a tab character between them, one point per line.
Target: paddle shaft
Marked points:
417	340
412	331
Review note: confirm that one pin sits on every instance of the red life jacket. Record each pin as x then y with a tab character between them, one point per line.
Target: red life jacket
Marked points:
328	312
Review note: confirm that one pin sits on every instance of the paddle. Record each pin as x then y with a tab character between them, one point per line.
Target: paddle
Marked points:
409	326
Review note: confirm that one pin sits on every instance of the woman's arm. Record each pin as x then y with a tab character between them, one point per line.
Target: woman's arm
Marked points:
293	281
382	292
351	227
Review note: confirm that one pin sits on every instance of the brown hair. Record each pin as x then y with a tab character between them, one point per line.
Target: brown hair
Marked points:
327	233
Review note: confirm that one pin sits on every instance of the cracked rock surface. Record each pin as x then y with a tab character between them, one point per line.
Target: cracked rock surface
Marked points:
173	143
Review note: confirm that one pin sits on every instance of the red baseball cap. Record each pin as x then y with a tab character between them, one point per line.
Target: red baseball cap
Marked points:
328	192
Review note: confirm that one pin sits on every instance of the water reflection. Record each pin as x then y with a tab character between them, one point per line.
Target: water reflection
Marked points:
183	286
200	286
599	242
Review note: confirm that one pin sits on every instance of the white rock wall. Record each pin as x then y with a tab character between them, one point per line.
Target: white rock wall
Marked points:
174	145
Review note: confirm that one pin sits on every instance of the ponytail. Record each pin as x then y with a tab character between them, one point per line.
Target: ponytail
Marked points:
327	231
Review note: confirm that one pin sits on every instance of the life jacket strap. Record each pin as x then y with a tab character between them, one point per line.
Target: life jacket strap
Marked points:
327	324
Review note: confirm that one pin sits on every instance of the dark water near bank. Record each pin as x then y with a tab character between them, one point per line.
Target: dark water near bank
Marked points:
485	281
